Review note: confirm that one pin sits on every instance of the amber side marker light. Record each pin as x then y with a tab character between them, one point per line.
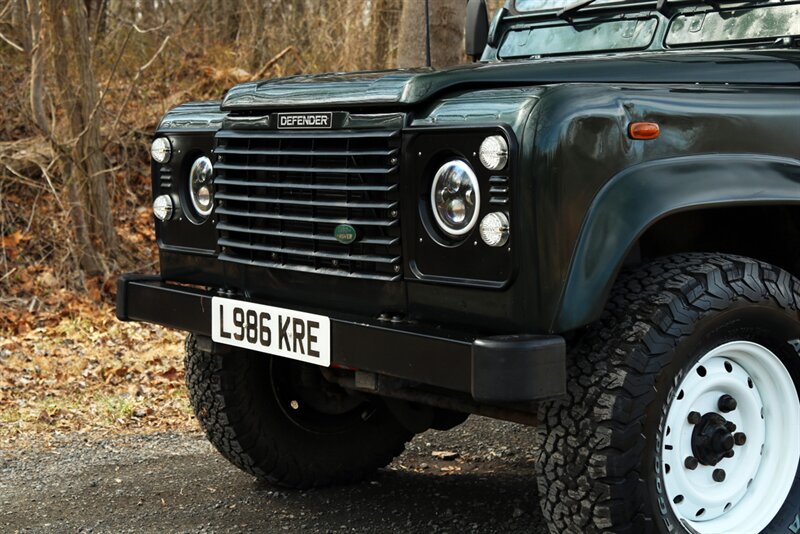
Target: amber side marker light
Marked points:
644	130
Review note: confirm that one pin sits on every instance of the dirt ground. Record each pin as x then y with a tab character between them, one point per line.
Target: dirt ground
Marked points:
96	435
176	482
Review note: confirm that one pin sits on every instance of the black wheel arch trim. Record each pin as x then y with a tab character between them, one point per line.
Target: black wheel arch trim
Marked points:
642	195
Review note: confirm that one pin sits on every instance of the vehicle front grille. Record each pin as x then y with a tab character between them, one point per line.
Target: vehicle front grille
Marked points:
281	195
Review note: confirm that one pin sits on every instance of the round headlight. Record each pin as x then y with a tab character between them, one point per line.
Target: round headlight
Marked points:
494	229
163	207
161	150
200	190
494	152
455	198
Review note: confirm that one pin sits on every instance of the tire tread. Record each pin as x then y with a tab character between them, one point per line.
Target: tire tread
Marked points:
591	443
249	437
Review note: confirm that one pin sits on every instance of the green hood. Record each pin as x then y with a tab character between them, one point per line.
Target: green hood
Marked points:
379	87
400	88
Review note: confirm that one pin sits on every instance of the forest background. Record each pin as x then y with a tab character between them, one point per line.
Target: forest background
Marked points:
83	85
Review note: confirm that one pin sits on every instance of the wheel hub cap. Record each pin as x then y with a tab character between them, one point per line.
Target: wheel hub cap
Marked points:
730	446
712	439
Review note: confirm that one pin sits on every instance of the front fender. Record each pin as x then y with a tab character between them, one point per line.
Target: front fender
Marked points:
643	194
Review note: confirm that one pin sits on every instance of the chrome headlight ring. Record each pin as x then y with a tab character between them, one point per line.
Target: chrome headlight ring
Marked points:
200	186
455	198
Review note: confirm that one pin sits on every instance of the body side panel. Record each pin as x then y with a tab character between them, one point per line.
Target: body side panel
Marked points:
718	144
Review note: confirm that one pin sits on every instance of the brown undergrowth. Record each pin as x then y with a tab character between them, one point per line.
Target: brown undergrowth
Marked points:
68	365
90	373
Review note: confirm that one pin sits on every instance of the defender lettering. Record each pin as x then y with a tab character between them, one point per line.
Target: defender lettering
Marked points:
305	120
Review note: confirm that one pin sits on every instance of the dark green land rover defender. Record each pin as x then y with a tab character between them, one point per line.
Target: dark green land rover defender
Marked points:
593	228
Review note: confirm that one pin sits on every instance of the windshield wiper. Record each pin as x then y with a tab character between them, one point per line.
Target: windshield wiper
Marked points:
570	10
662	6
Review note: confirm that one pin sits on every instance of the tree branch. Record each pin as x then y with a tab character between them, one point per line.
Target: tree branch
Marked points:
12	44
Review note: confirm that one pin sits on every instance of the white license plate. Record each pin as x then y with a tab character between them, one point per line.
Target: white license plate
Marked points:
292	334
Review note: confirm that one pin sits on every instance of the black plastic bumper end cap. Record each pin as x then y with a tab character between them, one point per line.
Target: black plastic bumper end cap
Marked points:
518	368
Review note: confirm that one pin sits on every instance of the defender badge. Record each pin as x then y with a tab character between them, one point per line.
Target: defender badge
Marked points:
305	121
344	234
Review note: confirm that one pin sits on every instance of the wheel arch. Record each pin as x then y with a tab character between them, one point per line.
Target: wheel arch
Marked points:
688	193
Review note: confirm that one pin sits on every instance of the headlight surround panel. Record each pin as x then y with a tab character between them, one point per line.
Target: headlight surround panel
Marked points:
442	256
185	231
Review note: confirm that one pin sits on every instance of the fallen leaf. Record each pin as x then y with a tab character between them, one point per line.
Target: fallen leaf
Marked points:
450	468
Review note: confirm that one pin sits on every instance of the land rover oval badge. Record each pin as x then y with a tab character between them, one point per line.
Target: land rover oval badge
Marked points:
345	234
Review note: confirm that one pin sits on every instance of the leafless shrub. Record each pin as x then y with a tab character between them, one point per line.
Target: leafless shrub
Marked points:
85	82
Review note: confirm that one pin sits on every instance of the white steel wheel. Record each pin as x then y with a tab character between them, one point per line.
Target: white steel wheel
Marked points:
731	444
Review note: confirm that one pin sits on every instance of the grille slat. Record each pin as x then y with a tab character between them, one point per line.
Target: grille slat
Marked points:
385	241
345	153
283	168
320	203
282	194
304	252
290	185
304	269
328	220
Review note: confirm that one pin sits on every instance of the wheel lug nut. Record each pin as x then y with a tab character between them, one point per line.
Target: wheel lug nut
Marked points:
730	426
718	475
690	462
726	404
694	417
740	438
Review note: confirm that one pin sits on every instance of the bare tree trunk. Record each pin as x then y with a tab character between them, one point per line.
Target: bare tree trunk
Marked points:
447	33
252	32
385	24
36	47
411	49
87	186
19	19
448	19
92	159
87	255
356	42
97	11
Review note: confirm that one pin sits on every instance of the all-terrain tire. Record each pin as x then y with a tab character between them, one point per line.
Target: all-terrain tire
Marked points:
598	461
234	401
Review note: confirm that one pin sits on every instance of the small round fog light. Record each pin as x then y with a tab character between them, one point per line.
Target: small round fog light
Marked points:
163	208
494	152
494	229
161	150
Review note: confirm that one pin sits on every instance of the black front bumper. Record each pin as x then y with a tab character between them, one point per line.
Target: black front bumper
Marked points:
493	370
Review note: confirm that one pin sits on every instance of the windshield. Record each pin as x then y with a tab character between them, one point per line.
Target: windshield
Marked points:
548	5
625	26
560	38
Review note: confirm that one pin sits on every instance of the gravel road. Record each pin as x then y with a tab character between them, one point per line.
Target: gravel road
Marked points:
176	482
